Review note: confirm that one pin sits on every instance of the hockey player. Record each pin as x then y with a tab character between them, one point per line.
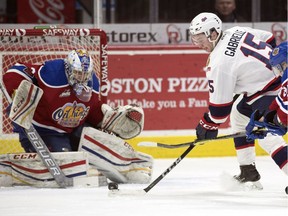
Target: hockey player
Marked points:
275	121
69	102
238	64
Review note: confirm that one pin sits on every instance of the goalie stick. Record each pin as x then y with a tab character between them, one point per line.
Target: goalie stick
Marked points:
195	142
43	151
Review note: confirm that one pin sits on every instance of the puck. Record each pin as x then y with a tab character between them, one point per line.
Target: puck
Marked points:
286	190
112	186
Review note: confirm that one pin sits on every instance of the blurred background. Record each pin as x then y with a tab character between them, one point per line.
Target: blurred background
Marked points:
131	11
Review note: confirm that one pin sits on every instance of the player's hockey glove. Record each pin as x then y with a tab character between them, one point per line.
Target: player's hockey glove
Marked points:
255	122
206	129
269	124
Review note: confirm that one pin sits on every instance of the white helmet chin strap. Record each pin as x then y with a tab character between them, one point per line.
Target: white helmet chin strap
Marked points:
214	42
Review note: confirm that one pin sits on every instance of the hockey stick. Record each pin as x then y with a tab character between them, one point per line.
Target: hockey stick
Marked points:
174	164
156	181
195	142
43	151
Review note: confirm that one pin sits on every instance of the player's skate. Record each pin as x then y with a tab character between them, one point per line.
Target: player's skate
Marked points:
249	177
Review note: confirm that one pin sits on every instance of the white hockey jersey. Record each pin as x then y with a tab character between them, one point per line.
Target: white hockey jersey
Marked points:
239	64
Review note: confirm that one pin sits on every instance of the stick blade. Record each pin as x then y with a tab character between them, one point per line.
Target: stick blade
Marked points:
123	192
147	144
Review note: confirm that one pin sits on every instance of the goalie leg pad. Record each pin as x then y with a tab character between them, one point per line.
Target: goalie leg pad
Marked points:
115	158
5	171
27	169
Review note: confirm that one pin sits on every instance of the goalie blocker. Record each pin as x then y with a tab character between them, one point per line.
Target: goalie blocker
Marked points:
24	104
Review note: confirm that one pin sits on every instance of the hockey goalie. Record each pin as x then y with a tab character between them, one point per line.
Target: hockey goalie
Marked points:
60	98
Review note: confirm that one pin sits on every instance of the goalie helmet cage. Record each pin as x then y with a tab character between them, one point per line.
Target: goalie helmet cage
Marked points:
36	46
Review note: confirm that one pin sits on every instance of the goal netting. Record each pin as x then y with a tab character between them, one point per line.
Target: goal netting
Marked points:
38	45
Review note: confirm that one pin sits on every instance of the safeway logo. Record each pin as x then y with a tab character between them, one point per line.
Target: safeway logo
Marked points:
12	32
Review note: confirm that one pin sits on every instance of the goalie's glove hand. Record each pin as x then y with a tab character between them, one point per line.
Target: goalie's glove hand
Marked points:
256	120
206	129
272	124
126	122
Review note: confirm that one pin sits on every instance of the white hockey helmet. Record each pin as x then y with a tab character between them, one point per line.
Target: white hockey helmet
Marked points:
205	23
78	68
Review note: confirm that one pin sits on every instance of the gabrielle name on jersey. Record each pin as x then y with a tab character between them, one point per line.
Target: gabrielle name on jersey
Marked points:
233	42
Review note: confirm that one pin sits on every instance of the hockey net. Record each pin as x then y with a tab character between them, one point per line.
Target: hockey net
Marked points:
39	45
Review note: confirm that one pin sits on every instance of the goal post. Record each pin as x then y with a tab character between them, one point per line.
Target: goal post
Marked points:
39	45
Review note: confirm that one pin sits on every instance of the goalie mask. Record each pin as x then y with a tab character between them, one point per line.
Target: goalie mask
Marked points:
78	68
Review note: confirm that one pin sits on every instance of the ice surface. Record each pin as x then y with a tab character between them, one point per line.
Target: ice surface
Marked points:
196	187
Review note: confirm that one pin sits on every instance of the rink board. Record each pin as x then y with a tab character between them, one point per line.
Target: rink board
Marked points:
210	149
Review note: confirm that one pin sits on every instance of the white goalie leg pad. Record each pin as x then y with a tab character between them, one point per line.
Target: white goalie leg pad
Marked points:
115	158
25	103
125	121
5	171
27	169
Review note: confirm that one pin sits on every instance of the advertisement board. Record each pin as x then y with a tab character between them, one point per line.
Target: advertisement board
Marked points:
174	33
168	82
127	34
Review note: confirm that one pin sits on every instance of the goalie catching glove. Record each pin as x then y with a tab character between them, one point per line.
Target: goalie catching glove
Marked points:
124	121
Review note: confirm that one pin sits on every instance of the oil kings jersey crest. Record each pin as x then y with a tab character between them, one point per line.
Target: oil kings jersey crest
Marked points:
70	114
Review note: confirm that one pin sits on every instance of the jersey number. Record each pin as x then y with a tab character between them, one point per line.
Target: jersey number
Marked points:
211	87
262	45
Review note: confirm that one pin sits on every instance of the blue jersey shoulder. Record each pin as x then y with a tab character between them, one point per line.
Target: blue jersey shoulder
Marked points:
53	73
